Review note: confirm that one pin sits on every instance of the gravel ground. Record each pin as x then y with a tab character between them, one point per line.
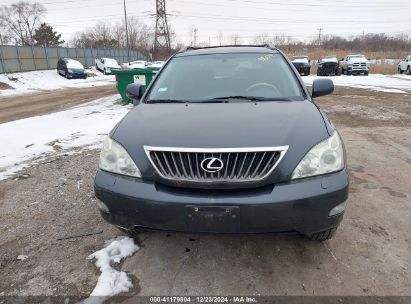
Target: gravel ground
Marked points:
47	203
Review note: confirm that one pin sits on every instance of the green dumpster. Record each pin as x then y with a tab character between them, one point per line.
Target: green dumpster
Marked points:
125	77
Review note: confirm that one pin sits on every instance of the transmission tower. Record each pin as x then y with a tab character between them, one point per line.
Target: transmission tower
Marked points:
162	44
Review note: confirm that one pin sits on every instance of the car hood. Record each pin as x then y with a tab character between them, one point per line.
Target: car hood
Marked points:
77	71
113	66
358	60
297	124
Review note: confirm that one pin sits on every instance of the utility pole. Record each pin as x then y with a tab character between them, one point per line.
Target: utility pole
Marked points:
195	37
162	35
319	35
125	20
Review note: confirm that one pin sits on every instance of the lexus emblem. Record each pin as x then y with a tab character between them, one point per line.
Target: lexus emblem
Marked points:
212	164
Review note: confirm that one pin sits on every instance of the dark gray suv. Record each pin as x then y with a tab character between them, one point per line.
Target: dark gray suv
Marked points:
225	140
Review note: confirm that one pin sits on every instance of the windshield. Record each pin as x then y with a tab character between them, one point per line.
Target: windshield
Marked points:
207	77
110	61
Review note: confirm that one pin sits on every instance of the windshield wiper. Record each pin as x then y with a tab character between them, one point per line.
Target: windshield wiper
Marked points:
166	101
252	98
249	98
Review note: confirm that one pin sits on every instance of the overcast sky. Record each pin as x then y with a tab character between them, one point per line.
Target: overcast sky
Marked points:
297	18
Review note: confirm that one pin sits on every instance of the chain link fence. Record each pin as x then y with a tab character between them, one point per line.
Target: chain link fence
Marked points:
30	58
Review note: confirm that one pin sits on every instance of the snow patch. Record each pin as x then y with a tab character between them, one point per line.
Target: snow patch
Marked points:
111	281
30	82
35	138
376	82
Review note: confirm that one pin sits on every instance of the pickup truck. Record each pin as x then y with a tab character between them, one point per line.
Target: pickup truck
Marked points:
405	65
355	65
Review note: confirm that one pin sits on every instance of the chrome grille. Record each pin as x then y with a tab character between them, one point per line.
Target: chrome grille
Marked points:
239	164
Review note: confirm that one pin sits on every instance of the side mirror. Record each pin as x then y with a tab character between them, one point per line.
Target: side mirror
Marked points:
135	91
322	87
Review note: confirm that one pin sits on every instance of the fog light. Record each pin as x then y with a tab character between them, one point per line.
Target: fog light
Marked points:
337	209
103	207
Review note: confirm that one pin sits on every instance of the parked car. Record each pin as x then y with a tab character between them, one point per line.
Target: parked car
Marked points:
156	64
138	64
302	64
405	65
328	66
70	68
105	65
355	65
220	151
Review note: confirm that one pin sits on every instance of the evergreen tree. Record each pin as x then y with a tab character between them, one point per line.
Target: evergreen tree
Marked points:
46	36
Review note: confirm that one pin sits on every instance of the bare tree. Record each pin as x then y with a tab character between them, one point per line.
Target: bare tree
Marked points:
220	38
235	39
22	19
262	39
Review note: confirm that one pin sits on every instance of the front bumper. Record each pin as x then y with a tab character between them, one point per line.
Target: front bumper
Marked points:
358	69
303	69
298	206
77	75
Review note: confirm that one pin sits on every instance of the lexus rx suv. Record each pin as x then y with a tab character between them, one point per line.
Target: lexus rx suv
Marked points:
225	140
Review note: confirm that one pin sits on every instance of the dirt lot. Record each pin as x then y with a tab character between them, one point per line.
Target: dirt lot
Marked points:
17	107
370	254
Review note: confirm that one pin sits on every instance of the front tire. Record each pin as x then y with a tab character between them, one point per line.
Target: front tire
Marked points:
322	235
366	74
409	70
399	70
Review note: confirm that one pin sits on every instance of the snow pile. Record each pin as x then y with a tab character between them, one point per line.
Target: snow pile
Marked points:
29	82
34	138
111	281
376	82
384	61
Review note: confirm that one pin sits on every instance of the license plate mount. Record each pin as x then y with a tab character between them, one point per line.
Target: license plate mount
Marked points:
221	219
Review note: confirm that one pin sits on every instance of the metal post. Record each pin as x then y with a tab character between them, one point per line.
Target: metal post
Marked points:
2	58
125	20
58	52
47	57
84	56
34	59
18	56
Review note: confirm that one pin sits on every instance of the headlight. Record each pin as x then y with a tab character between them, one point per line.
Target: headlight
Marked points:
70	70
326	157
114	158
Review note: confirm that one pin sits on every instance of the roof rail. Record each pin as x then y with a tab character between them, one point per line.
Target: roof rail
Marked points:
188	48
